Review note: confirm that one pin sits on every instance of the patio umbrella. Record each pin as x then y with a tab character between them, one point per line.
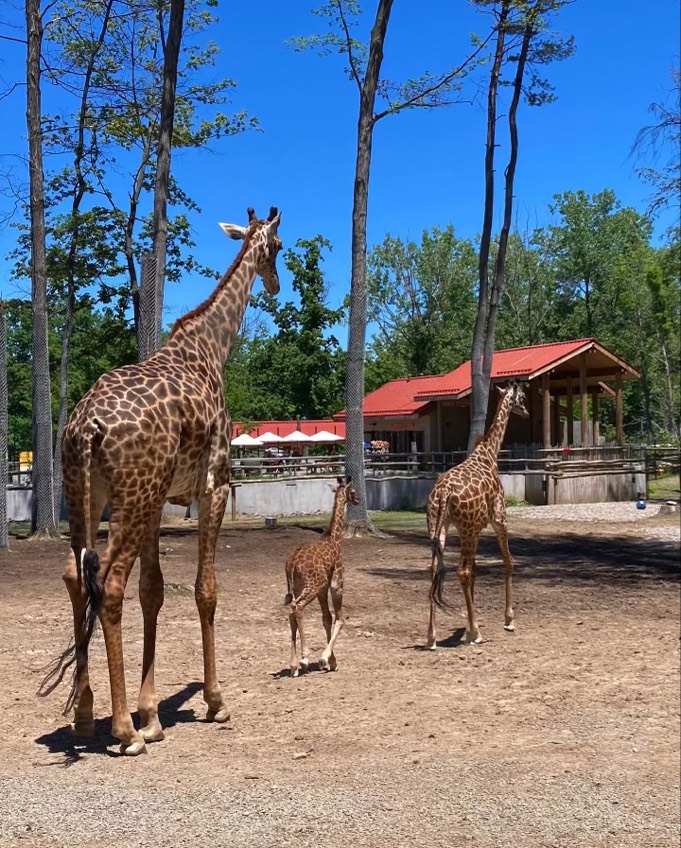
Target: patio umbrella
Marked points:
296	437
324	436
269	438
246	441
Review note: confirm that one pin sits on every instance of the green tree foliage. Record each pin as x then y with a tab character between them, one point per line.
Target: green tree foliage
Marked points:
421	297
528	313
658	144
300	369
101	341
123	52
591	237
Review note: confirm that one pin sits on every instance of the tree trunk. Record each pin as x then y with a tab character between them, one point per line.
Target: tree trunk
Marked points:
358	516
4	535
43	520
78	194
480	386
160	234
500	265
670	404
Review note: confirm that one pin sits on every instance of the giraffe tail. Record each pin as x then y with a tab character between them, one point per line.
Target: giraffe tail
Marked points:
439	576
438	559
288	598
76	651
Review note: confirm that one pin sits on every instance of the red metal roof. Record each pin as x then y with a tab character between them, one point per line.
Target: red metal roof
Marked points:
397	397
283	428
515	362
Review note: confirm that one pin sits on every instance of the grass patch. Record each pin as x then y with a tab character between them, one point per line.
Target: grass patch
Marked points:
664	488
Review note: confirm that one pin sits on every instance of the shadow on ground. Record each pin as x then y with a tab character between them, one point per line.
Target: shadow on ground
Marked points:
571	557
73	748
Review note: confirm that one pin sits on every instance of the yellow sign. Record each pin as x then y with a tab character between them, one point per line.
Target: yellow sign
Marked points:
25	460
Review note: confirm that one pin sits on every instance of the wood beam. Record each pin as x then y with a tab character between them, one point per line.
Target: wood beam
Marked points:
570	415
583	398
619	417
556	421
592	373
546	411
594	417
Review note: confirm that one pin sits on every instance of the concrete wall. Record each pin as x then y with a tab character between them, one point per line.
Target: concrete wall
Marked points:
19	500
311	495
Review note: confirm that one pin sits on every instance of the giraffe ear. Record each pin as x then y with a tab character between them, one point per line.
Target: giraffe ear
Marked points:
340	481
501	389
234	231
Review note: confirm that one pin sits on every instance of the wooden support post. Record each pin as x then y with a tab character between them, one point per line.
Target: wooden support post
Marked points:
570	417
583	396
546	411
556	421
535	406
594	417
619	423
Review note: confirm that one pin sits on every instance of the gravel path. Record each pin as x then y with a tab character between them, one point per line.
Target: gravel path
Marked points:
564	734
598	512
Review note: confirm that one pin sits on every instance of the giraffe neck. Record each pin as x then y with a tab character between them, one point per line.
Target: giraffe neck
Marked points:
214	324
495	435
337	517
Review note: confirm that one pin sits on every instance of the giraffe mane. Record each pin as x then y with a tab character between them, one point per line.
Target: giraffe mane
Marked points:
198	310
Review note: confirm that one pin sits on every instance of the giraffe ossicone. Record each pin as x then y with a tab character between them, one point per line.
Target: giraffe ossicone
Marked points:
143	435
470	496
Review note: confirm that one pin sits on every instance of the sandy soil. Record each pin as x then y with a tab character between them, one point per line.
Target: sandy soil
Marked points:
565	733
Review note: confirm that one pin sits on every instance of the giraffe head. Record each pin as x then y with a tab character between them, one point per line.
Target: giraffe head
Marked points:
263	234
515	397
347	490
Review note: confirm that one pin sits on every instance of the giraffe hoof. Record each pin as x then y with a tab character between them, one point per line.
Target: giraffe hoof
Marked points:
135	748
333	665
433	647
295	672
152	733
323	664
473	639
221	715
510	627
83	728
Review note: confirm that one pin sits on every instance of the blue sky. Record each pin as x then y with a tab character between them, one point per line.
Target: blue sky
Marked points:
428	164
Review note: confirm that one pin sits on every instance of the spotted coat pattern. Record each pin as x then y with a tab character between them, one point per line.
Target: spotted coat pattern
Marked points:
145	434
313	571
471	496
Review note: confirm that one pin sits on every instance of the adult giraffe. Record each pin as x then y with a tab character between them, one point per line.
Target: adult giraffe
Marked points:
145	434
471	496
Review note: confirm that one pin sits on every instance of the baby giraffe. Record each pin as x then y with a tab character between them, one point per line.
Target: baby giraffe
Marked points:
311	571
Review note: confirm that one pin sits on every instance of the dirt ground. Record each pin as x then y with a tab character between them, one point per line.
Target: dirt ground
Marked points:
565	733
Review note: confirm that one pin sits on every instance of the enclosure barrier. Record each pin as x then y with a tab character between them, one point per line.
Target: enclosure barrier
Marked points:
404	480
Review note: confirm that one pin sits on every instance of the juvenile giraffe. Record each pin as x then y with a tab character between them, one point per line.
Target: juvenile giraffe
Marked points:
145	434
471	495
314	570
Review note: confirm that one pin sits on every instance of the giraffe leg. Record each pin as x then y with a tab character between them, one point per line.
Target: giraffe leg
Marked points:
499	525
119	558
293	663
466	574
299	605
339	618
151	601
83	723
327	620
211	512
